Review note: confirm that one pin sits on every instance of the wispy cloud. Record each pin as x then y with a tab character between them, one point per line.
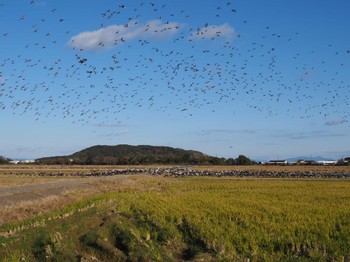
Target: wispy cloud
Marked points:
335	122
224	131
308	135
214	31
102	125
113	35
119	133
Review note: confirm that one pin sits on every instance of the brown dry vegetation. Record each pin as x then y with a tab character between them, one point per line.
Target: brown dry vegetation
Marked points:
277	168
22	197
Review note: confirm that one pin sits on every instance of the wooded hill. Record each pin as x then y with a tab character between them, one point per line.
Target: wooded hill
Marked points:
135	155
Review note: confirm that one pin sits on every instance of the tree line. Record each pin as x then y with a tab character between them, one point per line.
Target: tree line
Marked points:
4	160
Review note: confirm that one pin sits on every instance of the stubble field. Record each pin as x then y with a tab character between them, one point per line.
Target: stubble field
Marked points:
155	218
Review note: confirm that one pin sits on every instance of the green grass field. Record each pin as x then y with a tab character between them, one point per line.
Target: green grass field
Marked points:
198	219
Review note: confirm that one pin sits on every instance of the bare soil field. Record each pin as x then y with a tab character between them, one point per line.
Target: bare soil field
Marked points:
23	196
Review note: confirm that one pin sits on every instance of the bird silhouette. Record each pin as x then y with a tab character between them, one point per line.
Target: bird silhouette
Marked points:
171	64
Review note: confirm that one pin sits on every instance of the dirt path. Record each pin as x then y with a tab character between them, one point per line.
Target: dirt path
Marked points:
14	195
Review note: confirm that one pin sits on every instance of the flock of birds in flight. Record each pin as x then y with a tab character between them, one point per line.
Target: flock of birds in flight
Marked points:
216	68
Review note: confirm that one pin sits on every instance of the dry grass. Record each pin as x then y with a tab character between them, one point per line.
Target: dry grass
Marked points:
43	198
11	180
277	168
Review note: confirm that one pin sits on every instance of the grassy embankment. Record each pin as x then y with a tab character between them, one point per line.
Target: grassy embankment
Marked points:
170	219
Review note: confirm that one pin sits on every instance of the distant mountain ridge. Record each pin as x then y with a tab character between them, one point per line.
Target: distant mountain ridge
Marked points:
133	155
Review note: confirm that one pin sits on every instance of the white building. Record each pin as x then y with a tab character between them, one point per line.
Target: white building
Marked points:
22	162
277	162
327	162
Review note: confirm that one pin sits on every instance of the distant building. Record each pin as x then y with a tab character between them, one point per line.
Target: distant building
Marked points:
327	162
22	162
277	162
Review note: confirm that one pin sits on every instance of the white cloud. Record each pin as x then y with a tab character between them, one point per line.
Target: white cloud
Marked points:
116	34
214	31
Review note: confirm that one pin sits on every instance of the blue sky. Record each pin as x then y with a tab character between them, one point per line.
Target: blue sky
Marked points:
267	79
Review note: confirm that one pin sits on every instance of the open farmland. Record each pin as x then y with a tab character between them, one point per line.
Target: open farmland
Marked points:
157	218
